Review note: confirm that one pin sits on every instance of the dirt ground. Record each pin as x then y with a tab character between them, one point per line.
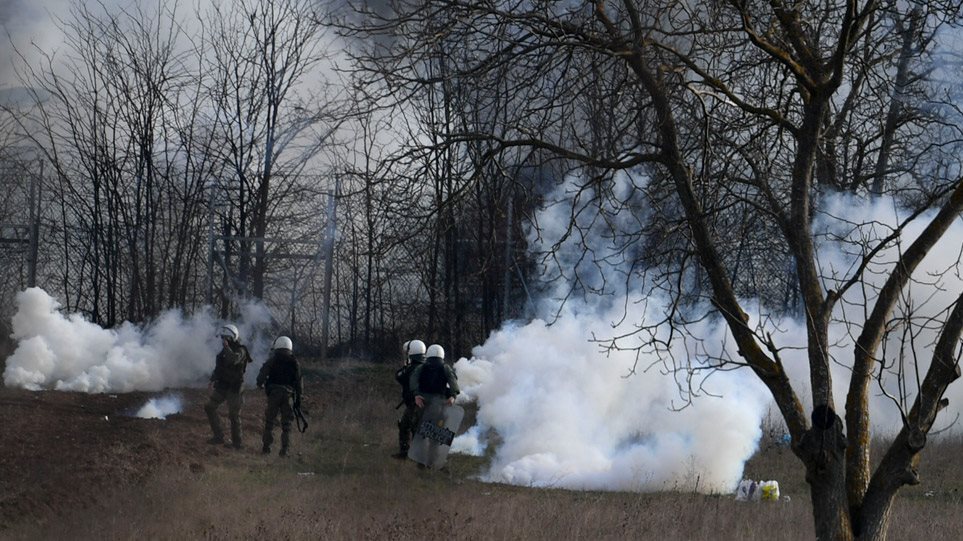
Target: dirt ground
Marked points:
80	466
65	450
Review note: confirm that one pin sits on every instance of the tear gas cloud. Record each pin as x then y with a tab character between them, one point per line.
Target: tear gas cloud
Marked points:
565	413
569	417
69	353
160	407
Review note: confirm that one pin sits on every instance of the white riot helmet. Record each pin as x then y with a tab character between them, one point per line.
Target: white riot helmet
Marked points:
436	351
283	342
416	347
230	332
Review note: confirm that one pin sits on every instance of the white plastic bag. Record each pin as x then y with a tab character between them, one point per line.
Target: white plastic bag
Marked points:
748	491
752	491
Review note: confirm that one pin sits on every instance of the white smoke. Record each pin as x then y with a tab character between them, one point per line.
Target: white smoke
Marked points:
160	407
567	416
472	442
559	411
564	413
68	353
919	313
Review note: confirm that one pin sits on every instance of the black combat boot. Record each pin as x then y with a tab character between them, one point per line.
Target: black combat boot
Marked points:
266	450
284	452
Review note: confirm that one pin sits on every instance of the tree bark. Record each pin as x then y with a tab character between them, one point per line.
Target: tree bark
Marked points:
822	449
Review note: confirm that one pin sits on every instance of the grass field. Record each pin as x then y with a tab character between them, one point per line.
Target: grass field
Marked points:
342	484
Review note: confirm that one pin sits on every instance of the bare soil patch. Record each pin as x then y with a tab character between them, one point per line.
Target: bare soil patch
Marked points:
66	471
67	450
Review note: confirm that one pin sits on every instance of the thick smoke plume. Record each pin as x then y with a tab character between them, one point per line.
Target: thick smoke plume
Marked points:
68	353
568	416
560	411
160	407
567	413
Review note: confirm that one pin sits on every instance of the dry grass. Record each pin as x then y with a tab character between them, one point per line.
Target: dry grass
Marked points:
341	484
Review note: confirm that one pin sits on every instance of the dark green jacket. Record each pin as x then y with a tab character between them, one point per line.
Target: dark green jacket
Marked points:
403	377
229	367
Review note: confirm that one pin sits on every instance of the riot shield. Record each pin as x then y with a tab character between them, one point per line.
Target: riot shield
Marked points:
438	427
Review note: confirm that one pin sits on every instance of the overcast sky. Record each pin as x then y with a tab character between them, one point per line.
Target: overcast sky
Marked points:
26	21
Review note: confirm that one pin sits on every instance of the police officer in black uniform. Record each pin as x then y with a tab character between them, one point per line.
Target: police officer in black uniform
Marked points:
434	378
415	356
280	377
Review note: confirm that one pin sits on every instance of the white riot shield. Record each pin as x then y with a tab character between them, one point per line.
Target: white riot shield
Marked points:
438	427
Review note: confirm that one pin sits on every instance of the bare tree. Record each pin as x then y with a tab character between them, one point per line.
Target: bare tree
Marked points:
742	113
21	183
263	53
99	127
449	229
151	122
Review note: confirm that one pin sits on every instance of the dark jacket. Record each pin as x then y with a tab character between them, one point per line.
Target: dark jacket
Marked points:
434	377
403	377
282	369
229	367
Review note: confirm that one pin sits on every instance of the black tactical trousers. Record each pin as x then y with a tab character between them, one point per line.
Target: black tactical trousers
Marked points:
278	401
407	426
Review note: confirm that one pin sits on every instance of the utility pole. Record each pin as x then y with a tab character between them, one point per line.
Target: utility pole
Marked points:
329	234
